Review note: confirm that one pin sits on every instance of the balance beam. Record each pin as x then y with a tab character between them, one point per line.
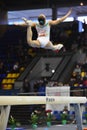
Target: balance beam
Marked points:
26	100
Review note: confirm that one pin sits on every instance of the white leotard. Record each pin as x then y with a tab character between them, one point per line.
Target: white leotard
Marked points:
43	34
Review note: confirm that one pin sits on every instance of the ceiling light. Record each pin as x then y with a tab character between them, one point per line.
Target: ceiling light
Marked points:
81	3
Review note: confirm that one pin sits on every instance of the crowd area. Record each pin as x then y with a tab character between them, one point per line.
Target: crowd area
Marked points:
77	81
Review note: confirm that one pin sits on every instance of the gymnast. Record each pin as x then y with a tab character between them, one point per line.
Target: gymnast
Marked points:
43	31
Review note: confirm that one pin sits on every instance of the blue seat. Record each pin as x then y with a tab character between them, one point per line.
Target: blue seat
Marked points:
3	75
57	115
55	112
71	115
83	115
41	91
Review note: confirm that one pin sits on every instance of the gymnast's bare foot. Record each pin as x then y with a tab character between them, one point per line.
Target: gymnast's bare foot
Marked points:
58	47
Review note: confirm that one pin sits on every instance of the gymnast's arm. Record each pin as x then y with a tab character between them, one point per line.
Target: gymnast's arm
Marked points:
54	22
24	24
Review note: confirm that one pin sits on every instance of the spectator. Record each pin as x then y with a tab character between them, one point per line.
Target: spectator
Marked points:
16	67
77	69
2	67
26	86
65	110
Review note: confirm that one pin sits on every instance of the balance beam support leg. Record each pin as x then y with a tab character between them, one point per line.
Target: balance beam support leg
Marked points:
4	115
78	116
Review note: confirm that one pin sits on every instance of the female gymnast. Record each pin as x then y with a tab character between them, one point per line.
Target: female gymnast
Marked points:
43	30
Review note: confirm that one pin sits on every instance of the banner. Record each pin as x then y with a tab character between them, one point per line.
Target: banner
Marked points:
57	91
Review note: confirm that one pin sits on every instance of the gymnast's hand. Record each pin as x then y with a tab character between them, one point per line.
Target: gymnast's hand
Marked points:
27	22
70	11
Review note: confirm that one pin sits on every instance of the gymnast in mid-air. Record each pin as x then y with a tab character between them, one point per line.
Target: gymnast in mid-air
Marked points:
43	31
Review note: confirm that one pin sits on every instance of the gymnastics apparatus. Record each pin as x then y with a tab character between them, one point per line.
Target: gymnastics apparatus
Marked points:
7	101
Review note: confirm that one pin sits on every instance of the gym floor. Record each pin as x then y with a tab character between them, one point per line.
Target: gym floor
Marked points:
58	127
53	127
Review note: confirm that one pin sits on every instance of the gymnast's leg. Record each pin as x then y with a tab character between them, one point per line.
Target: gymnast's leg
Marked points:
53	47
33	43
